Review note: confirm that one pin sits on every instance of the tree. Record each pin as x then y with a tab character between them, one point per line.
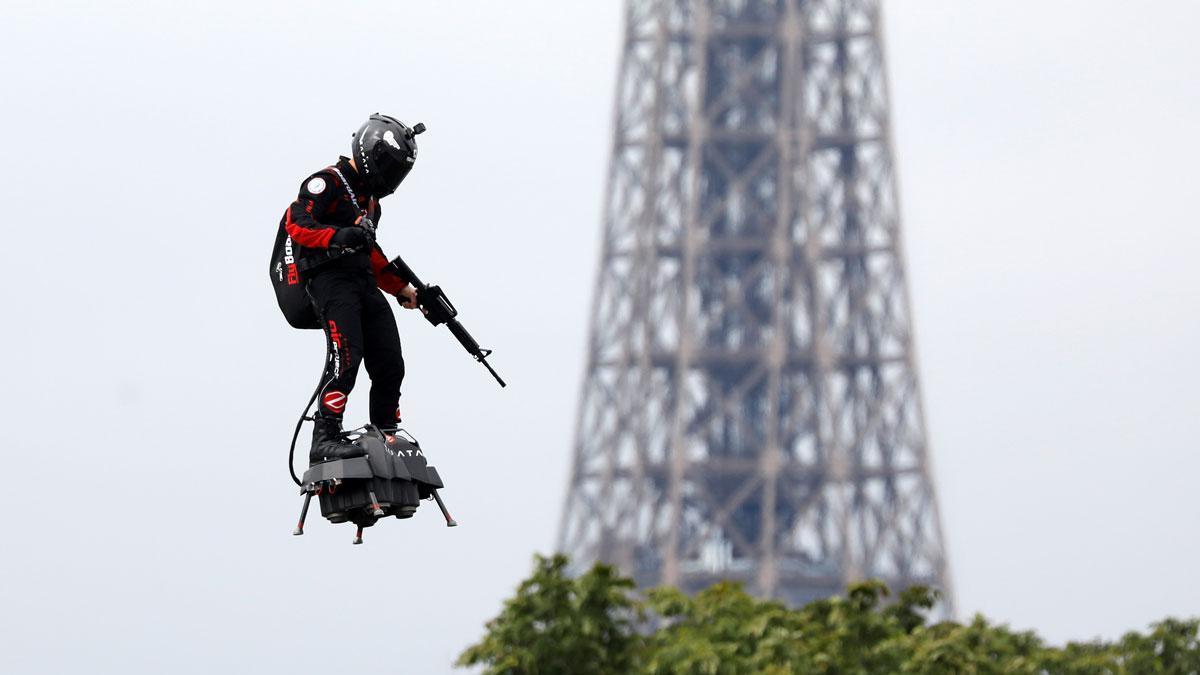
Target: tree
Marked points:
556	624
724	631
596	624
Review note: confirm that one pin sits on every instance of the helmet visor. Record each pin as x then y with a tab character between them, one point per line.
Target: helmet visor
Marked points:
390	171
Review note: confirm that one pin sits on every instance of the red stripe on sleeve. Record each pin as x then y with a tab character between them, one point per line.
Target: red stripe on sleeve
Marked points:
310	238
387	281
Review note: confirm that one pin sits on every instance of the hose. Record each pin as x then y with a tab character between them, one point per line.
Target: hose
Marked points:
321	384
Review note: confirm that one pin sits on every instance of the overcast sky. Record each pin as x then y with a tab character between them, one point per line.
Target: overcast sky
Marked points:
1046	155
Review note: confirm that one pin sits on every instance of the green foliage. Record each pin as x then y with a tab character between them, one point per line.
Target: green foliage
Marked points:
557	624
595	624
1171	647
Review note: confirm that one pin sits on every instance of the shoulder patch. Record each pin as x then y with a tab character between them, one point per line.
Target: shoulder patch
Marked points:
316	185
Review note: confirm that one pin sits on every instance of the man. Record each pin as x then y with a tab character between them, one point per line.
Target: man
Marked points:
332	228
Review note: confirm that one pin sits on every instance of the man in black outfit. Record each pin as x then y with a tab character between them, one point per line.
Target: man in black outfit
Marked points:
332	230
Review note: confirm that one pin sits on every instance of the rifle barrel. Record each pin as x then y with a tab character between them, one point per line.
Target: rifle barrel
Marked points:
492	371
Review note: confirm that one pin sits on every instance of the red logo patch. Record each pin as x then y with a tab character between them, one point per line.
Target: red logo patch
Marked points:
335	401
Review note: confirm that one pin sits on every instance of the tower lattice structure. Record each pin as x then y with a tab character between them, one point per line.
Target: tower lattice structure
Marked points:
750	408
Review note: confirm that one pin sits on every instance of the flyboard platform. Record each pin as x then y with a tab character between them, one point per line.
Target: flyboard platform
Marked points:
391	479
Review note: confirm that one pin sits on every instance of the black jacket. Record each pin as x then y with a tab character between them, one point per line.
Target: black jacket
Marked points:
322	207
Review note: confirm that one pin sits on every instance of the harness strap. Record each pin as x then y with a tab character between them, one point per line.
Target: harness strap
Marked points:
354	201
349	190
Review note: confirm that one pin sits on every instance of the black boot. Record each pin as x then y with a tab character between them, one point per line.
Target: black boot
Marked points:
327	441
388	426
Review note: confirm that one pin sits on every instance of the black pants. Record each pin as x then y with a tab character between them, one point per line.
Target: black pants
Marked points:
359	326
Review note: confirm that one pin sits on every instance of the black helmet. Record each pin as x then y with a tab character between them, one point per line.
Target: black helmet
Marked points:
384	151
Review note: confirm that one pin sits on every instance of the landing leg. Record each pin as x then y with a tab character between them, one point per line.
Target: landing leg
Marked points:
358	537
442	505
376	510
303	514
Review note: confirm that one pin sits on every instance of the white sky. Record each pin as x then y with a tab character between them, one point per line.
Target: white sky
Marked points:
1046	154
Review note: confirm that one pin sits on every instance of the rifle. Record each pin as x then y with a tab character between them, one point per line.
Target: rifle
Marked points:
439	310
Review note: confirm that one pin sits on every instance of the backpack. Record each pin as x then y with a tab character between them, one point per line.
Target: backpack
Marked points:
290	292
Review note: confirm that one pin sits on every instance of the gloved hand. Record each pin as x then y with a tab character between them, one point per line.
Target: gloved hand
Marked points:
351	237
407	297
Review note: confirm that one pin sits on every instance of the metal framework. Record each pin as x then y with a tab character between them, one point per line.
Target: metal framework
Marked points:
750	408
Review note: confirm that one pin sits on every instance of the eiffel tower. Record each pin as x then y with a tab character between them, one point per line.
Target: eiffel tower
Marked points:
750	408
